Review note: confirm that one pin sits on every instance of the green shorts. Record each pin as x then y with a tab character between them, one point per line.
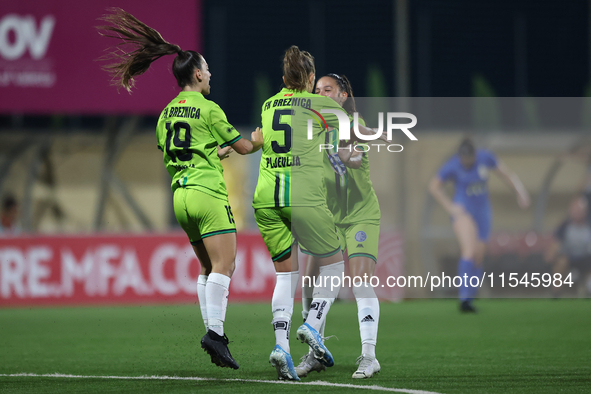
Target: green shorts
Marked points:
360	240
312	227
202	215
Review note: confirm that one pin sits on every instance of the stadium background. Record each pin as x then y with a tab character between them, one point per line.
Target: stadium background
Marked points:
92	191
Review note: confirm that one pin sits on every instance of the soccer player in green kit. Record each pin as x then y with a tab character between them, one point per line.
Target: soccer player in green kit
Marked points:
354	205
288	211
189	131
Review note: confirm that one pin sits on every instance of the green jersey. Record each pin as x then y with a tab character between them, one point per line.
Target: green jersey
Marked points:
350	194
291	169
189	131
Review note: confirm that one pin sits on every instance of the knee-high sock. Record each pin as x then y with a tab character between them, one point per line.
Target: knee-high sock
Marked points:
477	270
368	315
201	295
216	297
307	291
324	295
282	306
465	267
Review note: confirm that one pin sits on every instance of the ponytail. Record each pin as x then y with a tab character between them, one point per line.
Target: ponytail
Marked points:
146	45
297	67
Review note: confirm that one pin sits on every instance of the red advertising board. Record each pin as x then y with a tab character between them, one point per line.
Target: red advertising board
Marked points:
104	269
48	52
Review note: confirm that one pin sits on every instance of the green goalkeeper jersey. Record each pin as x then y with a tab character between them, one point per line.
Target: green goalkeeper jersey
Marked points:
350	194
291	168
189	131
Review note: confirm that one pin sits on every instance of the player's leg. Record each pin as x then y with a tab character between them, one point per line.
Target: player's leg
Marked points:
317	235
275	227
310	274
308	362
203	258
362	242
466	234
483	222
208	219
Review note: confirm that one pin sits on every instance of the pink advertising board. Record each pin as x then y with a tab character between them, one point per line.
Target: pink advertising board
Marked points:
49	51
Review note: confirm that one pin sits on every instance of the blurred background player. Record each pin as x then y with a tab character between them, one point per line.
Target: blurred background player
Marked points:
279	208
470	209
571	246
9	216
189	131
354	205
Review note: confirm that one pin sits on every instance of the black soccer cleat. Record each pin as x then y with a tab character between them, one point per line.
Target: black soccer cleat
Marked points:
467	307
217	347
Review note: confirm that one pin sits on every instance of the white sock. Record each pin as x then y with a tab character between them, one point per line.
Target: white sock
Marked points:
201	295
216	297
324	296
368	314
282	306
307	290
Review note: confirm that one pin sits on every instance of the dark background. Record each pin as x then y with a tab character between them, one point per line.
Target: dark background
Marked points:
514	47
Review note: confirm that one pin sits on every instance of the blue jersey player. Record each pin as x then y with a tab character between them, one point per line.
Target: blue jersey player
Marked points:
470	208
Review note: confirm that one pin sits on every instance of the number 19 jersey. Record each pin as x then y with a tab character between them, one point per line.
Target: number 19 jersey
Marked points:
189	131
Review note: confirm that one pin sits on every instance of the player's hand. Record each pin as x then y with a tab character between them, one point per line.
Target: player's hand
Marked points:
383	137
457	210
256	137
224	153
523	201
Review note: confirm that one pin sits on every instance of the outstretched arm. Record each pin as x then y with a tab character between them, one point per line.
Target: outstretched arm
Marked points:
511	179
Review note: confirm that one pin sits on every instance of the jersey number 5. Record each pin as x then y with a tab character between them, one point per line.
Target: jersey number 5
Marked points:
277	126
174	142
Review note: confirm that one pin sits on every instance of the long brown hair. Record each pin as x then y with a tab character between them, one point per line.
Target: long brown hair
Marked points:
145	45
297	66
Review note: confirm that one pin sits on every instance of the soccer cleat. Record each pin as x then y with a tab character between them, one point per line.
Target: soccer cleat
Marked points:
309	364
467	307
282	361
311	337
217	347
368	366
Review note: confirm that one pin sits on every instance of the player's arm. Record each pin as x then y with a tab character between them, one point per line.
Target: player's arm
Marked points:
350	158
436	190
511	179
227	135
245	147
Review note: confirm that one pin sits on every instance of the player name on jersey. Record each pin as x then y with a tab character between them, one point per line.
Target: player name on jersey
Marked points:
286	102
280	162
182	112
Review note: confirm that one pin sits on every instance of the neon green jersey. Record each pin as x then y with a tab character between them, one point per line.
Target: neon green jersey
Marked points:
350	195
189	131
362	202
291	169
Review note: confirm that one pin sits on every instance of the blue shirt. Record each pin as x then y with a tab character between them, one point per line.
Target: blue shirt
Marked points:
471	189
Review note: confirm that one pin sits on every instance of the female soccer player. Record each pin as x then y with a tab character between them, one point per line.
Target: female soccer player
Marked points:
470	208
288	211
354	205
189	131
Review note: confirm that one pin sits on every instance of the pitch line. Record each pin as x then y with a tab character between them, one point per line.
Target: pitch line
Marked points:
196	378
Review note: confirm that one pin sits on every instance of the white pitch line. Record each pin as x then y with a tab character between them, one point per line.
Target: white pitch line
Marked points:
196	378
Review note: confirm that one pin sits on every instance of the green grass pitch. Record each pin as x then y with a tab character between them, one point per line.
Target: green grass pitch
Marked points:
511	346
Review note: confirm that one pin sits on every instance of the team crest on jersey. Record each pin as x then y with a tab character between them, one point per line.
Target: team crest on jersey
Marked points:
360	236
483	171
